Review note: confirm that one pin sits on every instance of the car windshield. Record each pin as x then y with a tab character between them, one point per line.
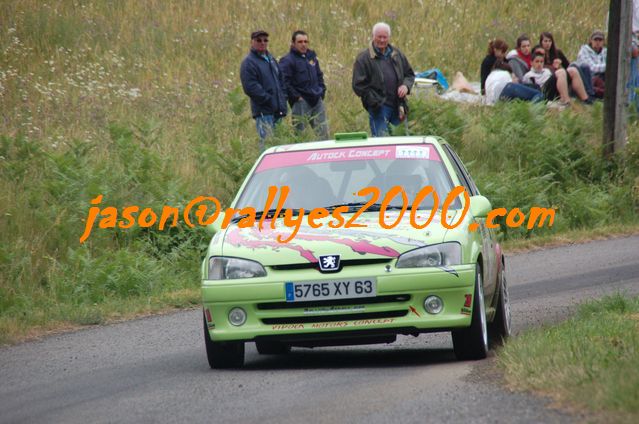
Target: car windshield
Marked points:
332	177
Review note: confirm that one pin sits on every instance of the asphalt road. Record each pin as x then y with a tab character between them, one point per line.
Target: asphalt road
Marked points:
155	369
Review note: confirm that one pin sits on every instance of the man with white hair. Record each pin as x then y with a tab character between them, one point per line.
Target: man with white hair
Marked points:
382	78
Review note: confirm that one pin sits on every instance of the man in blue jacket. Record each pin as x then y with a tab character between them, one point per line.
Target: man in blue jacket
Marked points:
304	82
262	82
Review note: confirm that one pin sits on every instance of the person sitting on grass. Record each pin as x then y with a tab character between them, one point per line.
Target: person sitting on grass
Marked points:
519	59
502	85
497	49
556	59
552	84
558	77
593	56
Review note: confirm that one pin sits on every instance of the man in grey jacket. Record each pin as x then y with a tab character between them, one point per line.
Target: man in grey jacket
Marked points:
593	55
382	78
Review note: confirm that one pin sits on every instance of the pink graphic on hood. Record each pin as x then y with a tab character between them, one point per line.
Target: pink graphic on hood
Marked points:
267	239
358	246
235	238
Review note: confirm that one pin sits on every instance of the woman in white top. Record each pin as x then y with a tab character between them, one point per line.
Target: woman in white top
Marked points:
500	85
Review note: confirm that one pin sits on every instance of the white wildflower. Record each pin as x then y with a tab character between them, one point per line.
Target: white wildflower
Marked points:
134	93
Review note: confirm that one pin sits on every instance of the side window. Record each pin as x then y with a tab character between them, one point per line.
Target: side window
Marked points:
461	171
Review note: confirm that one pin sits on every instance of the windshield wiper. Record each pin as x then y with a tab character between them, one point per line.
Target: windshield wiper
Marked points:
355	206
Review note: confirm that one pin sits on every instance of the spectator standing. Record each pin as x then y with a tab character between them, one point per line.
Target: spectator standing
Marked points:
520	58
382	78
497	49
262	82
304	83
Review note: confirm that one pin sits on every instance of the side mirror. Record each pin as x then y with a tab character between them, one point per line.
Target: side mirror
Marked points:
216	226
480	206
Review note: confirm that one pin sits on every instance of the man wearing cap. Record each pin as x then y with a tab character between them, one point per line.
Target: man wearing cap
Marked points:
304	82
382	78
262	82
593	55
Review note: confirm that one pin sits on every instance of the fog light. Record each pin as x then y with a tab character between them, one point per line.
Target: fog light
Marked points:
433	304
237	316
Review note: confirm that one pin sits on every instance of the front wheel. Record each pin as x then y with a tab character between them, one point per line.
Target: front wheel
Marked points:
223	354
499	330
472	342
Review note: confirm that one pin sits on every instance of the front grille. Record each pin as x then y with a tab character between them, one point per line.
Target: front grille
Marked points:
332	318
335	302
344	263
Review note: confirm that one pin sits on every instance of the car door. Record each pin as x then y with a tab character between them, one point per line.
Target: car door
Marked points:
489	246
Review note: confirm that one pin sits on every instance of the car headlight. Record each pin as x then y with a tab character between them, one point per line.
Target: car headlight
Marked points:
443	254
221	268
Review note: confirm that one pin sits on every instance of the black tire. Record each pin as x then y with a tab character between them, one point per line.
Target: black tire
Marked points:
472	342
500	329
272	348
223	354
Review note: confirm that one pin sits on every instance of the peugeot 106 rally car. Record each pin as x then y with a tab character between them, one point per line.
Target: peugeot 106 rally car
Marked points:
354	241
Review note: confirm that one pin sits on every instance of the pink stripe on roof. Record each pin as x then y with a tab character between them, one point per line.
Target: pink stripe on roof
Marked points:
406	151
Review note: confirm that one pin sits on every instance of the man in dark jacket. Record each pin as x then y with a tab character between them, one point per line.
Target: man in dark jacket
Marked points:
304	82
382	78
262	82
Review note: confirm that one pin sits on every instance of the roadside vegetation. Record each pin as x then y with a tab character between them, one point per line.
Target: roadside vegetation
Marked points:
589	363
140	101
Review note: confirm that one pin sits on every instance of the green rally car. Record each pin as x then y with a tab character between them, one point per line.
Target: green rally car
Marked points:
353	241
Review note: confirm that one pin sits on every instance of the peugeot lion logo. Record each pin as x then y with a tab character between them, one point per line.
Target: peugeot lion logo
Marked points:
329	263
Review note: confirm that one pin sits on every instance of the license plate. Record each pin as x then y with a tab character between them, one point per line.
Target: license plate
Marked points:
332	289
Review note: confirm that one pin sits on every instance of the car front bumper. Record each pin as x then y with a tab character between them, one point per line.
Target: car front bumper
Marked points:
397	309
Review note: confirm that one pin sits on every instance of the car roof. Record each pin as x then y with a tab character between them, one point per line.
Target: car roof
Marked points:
376	141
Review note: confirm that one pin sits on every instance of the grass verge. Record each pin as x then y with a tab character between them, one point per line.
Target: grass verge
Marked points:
590	362
582	235
64	317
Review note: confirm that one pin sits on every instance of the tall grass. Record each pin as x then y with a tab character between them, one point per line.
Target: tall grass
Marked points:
141	101
70	67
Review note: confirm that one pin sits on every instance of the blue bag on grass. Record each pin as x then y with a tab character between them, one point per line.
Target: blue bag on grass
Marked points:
435	74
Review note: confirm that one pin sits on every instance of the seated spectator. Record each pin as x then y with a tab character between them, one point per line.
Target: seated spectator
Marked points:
556	59
501	85
497	49
552	84
519	59
594	54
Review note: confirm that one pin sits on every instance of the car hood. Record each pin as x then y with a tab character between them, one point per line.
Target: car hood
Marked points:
370	242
